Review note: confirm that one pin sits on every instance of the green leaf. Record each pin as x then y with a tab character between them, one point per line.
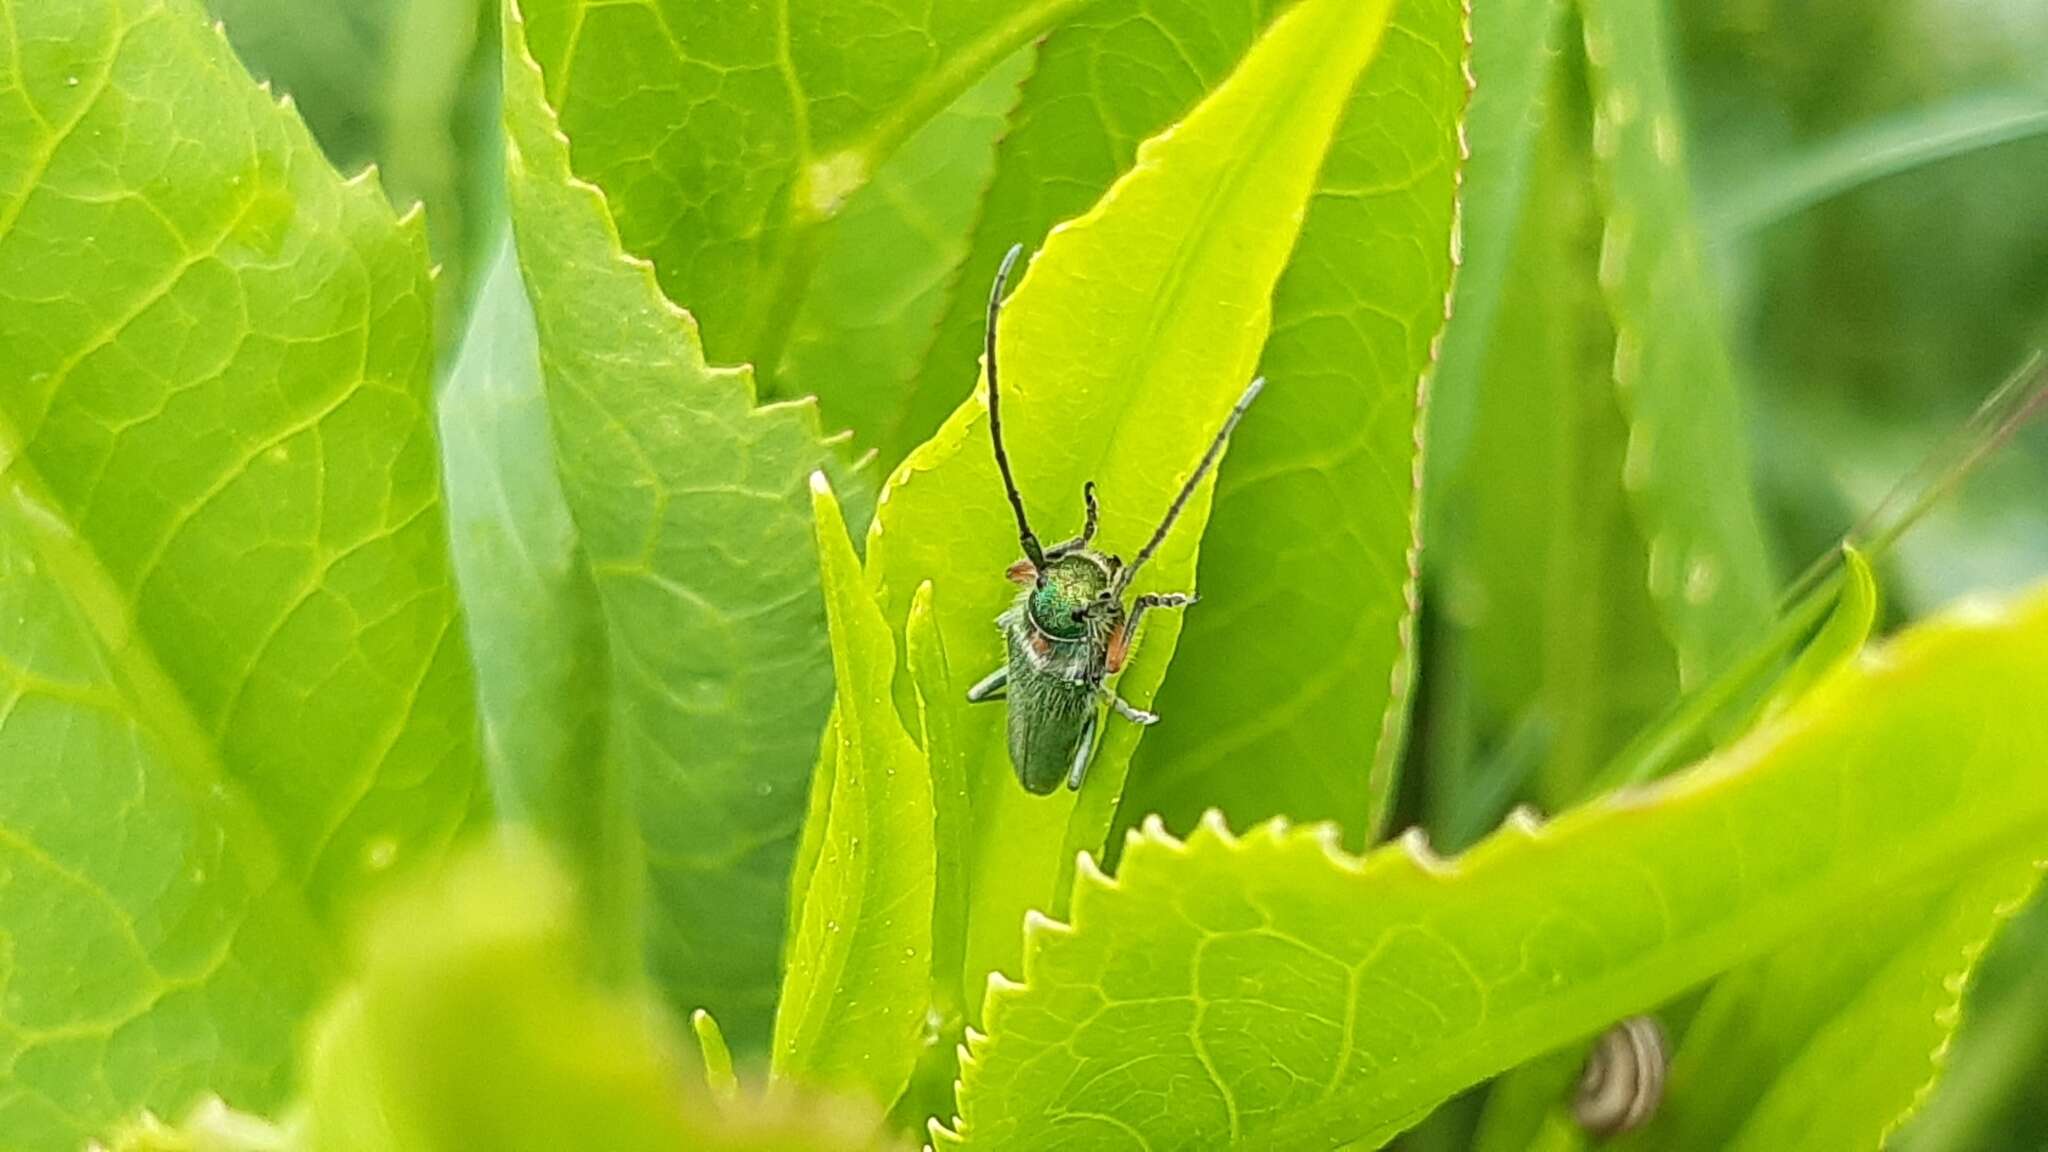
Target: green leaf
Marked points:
691	508
1830	1043
1515	44
952	801
885	268
1134	330
853	1004
535	632
719	1078
1841	636
727	138
1687	469
1540	562
476	1021
1273	989
398	83
1321	477
1304	653
235	690
1988	1098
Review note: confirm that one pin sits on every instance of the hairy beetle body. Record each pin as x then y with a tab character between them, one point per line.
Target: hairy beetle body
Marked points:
1069	630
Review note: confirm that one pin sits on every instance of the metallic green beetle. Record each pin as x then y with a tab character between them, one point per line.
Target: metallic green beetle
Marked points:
1069	629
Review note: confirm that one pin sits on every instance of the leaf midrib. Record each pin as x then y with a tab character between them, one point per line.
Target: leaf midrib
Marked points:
152	696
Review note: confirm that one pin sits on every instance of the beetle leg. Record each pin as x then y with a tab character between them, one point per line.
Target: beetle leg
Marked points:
1128	711
991	686
1120	640
1087	529
1083	754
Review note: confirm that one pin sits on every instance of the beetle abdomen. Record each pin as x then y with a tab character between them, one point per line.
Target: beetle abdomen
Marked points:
1047	716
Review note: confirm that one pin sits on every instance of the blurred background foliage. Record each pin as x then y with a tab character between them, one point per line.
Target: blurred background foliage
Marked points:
1868	178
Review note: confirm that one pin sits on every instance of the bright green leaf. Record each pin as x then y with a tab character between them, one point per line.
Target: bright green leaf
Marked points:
727	137
398	83
853	1003
1841	635
1278	991
1830	1043
1303	654
1514	54
1988	1099
1541	564
885	267
952	803
719	1077
691	508
235	690
1134	330
1300	633
1686	469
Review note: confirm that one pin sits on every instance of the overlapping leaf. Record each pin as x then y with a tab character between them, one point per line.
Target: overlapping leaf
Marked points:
1130	336
727	136
1300	634
235	691
691	507
885	268
1272	990
854	1002
531	610
1830	1043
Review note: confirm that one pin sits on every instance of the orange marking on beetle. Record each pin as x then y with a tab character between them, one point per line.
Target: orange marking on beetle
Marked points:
1022	573
1119	647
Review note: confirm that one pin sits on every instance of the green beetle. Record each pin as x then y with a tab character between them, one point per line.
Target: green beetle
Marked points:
1069	628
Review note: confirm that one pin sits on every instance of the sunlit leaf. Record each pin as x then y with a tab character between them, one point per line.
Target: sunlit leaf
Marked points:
1299	638
233	690
692	511
1828	1044
727	137
1134	330
1275	992
885	266
853	1003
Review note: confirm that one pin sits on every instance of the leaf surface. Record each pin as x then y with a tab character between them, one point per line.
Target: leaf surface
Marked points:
1541	561
233	690
853	1004
535	631
1829	1043
727	138
1132	333
886	266
1687	467
1275	990
1300	631
691	507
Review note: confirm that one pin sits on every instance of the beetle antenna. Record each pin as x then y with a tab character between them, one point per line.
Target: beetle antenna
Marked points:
1032	550
1251	393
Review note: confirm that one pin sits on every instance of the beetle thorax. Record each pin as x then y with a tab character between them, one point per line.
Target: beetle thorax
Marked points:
1068	586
